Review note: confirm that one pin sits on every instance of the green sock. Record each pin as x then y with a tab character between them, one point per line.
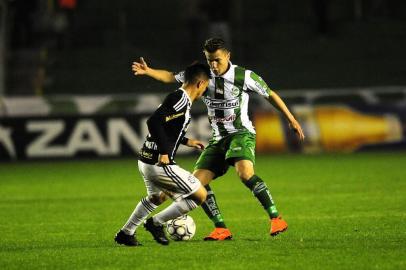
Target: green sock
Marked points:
261	191
212	210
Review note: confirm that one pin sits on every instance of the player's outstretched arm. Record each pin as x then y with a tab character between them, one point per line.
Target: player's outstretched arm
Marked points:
276	101
142	68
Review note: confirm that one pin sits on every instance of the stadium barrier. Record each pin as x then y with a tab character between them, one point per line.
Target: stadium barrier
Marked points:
24	138
114	126
332	128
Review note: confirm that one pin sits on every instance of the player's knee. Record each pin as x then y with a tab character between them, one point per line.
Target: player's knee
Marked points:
203	196
204	176
154	198
245	175
157	199
245	170
199	197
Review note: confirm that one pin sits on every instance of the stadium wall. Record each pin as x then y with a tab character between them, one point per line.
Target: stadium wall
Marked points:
60	127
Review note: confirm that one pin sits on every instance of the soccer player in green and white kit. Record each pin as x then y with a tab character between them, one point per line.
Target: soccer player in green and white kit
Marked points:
233	141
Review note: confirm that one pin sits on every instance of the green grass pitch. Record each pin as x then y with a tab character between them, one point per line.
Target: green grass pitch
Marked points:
344	212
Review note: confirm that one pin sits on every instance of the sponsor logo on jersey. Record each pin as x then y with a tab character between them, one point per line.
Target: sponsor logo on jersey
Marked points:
262	88
236	148
191	179
151	145
216	119
173	116
222	104
146	154
220	91
260	84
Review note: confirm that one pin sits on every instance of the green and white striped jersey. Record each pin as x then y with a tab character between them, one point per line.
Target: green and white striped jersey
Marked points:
227	99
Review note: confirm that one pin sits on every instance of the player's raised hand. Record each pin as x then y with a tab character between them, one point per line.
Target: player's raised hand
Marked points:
297	129
140	68
195	143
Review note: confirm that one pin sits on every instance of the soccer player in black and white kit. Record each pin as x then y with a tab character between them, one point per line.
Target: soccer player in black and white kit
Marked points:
167	128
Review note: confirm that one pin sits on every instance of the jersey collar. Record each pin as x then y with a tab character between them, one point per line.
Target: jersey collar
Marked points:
230	65
190	101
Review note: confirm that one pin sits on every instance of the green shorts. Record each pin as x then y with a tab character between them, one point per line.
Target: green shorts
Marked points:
219	155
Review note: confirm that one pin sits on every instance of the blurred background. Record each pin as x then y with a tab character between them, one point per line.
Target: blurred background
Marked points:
67	90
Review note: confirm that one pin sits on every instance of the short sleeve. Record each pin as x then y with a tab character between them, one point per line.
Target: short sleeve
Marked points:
180	76
173	103
173	107
256	84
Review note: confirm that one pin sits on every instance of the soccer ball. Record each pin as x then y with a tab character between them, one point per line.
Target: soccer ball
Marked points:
181	228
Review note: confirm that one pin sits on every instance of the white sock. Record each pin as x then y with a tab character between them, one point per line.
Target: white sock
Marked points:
141	211
174	210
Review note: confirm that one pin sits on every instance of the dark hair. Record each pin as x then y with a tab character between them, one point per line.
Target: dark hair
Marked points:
196	72
213	44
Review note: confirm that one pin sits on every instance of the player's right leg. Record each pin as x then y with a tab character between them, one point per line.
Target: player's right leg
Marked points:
212	164
126	236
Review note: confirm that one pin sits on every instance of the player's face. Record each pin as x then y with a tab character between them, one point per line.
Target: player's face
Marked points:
218	61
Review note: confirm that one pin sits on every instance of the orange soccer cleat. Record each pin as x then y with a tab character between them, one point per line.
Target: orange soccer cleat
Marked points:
219	234
277	225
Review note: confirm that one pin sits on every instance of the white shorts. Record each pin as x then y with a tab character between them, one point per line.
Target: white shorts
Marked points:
171	179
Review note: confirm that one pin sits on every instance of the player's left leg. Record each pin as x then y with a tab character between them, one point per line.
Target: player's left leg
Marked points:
245	171
181	206
242	153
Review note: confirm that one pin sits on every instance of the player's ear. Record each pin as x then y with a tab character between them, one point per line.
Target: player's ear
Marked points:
199	83
202	85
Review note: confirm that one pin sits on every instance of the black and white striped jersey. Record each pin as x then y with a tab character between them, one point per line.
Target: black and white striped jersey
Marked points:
167	127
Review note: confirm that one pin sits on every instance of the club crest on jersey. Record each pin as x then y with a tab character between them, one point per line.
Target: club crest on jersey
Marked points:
235	91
